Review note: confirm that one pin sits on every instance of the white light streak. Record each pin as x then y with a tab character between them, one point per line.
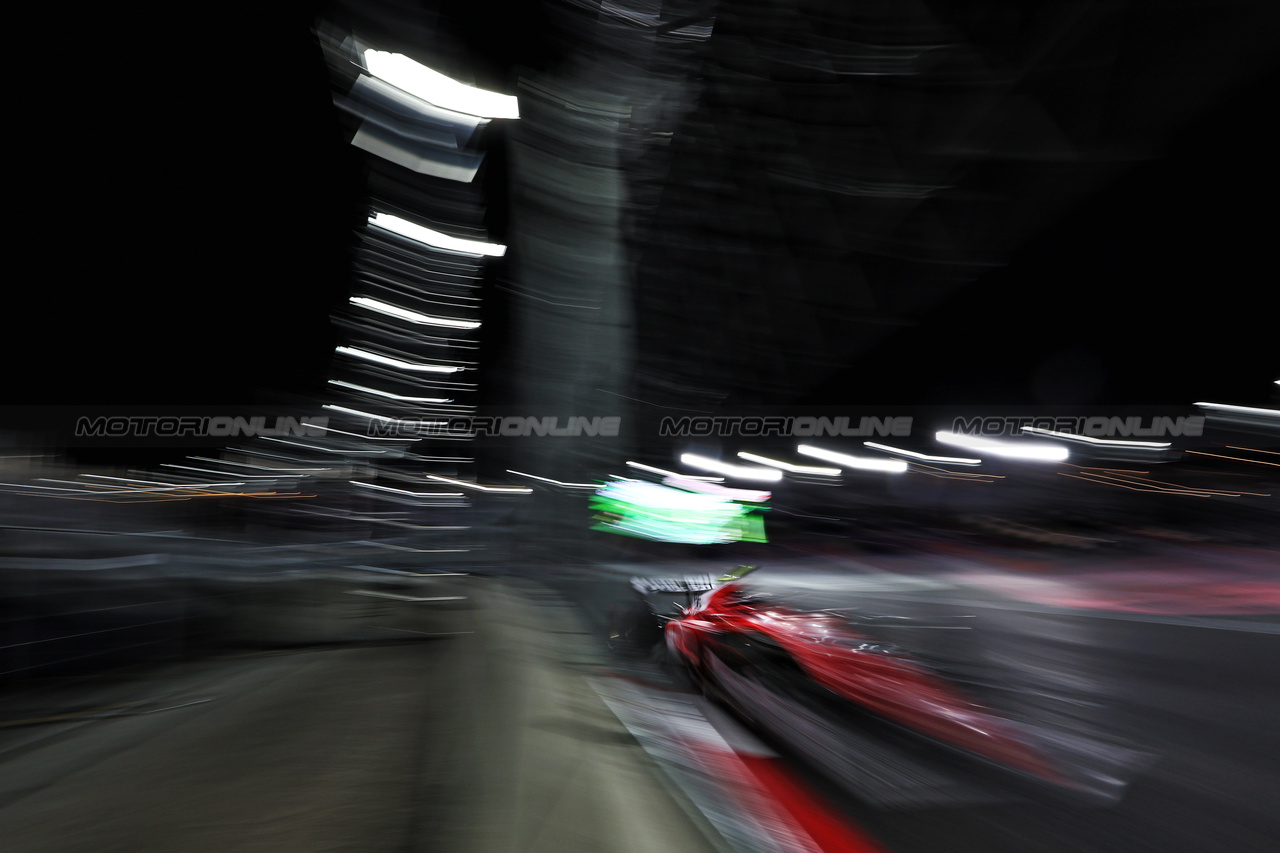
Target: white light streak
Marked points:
387	394
690	484
1006	449
435	239
211	471
247	465
128	480
1241	410
192	485
665	497
435	88
399	363
402	439
514	490
787	466
366	85
419	457
406	491
163	487
249	451
740	472
555	482
892	466
1102	442
361	414
323	449
923	457
666	473
412	316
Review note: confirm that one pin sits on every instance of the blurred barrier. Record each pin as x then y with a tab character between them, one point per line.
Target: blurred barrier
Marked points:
70	616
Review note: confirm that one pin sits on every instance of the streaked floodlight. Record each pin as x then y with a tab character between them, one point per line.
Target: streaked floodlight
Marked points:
435	239
511	490
1099	442
664	472
1240	410
741	472
923	457
418	317
387	394
416	367
787	466
1006	449
435	88
893	466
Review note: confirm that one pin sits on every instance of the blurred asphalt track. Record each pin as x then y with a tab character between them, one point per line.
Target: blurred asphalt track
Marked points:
492	737
483	741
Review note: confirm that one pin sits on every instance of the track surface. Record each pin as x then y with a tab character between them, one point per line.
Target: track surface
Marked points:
486	741
496	739
1197	696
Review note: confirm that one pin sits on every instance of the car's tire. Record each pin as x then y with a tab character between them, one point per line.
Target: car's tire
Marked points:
634	630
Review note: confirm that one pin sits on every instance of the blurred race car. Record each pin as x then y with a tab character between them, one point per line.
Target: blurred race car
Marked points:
823	685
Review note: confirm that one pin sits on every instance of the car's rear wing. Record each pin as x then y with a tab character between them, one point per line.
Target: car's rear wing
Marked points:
687	585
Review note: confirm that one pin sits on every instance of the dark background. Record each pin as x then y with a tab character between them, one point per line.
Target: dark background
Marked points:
188	205
1155	291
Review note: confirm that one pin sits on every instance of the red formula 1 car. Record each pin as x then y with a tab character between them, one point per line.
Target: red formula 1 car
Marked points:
865	711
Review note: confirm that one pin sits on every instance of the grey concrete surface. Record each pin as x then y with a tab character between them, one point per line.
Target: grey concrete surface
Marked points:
490	741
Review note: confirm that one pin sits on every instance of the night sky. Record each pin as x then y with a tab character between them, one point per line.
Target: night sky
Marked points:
1158	290
190	228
